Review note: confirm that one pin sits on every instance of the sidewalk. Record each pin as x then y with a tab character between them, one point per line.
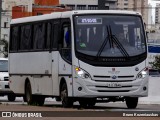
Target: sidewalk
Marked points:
153	92
149	100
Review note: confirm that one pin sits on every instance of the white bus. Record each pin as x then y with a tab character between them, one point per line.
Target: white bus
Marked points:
86	56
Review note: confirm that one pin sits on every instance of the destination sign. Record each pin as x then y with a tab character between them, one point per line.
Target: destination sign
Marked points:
89	20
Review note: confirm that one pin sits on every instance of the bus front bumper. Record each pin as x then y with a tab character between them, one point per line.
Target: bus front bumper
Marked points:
91	88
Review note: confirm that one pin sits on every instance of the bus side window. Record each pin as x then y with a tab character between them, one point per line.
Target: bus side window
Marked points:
52	35
55	35
39	36
49	35
14	38
26	37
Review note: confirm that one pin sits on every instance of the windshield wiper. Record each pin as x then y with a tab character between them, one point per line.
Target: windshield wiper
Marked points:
118	44
102	46
112	39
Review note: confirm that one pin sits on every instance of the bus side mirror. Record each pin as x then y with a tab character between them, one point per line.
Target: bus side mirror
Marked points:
144	25
147	35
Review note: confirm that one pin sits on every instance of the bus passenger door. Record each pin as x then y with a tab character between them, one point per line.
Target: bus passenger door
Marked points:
65	58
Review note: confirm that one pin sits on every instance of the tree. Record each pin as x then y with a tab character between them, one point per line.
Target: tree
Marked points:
5	49
156	63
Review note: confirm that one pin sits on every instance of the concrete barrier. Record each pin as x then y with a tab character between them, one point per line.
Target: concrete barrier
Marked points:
153	92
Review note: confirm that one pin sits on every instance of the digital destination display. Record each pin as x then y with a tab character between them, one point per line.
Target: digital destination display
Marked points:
89	20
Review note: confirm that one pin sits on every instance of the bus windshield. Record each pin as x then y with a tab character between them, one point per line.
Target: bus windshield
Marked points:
109	35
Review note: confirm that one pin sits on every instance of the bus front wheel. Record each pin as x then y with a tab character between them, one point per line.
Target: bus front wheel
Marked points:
66	101
131	102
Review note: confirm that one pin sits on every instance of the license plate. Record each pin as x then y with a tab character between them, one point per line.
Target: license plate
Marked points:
114	85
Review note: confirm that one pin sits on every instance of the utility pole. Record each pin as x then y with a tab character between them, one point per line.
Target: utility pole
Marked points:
0	16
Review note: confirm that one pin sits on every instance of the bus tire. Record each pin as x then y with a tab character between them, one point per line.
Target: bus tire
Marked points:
28	94
66	101
131	102
11	97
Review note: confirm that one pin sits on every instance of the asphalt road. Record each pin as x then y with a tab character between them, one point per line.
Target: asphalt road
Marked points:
117	106
52	106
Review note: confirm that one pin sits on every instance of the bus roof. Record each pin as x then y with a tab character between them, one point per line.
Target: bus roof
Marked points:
68	14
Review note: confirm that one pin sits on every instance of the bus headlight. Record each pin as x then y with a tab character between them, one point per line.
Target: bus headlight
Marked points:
143	73
81	73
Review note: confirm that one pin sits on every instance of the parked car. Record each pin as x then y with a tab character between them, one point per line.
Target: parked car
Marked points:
154	73
4	80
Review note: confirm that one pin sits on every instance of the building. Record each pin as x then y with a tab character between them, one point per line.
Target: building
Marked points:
47	2
0	16
89	4
150	17
19	11
7	14
135	5
157	13
157	16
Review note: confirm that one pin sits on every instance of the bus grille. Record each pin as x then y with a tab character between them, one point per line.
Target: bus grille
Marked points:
127	78
99	76
102	88
113	80
113	90
112	87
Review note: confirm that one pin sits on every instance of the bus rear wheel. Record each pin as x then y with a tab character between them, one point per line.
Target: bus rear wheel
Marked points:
28	94
66	101
32	99
131	102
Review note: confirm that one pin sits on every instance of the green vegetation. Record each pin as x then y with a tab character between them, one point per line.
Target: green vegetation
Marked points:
5	49
156	63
